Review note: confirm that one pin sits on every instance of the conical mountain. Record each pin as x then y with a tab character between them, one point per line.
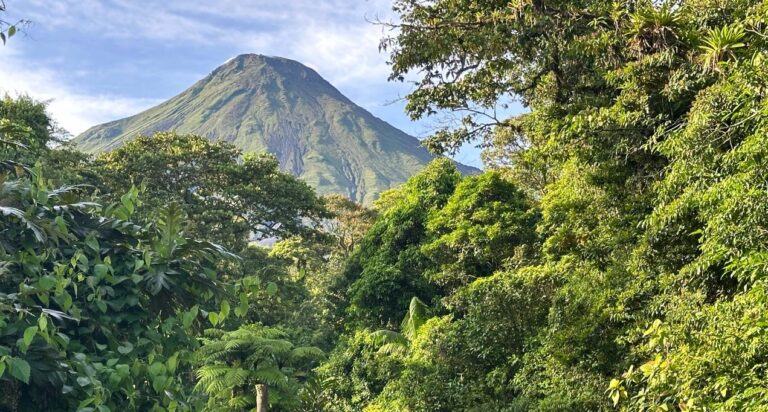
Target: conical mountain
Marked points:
277	105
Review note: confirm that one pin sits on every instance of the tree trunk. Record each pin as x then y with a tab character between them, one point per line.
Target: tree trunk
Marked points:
262	398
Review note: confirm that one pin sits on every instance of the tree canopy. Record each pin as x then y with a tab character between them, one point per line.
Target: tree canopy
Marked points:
633	280
231	198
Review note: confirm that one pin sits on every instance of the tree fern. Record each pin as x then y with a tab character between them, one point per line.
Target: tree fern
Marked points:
233	363
271	376
307	352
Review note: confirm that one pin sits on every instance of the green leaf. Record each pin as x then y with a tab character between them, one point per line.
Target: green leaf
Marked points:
127	203
173	362
159	383
11	31
19	369
100	270
157	369
29	334
224	309
123	370
242	308
61	224
189	316
213	317
271	288
47	282
125	348
92	243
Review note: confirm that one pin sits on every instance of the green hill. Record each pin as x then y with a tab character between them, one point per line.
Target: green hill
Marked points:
273	104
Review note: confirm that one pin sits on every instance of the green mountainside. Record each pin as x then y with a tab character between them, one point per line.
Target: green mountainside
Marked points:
261	103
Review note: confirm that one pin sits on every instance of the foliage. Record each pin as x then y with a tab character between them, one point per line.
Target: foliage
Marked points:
234	362
9	29
37	130
485	222
228	200
100	313
614	256
92	303
642	286
388	268
355	373
397	343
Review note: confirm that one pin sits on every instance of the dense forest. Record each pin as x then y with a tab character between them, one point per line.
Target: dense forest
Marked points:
612	256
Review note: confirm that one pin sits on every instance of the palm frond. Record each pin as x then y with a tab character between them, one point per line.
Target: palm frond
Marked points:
391	349
36	230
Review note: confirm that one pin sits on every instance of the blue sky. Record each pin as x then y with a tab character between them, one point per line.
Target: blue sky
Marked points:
100	60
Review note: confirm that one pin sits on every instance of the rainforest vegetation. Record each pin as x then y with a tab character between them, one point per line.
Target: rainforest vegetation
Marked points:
612	256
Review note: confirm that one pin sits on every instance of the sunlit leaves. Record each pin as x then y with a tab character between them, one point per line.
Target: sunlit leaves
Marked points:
226	197
232	363
644	143
18	368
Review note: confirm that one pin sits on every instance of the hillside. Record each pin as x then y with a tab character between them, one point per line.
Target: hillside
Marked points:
273	104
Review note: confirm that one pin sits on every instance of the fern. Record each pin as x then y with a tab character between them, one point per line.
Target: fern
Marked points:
271	376
307	352
233	363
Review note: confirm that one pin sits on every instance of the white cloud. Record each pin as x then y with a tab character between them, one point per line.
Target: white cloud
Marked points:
74	111
119	18
331	36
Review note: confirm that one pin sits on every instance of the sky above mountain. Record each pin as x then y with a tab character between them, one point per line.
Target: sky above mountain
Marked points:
100	60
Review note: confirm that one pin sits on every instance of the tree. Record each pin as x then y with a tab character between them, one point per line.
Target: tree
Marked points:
484	223
229	200
239	366
349	223
93	303
33	127
37	138
388	267
96	311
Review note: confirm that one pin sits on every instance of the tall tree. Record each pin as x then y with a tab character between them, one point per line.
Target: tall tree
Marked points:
388	268
229	198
